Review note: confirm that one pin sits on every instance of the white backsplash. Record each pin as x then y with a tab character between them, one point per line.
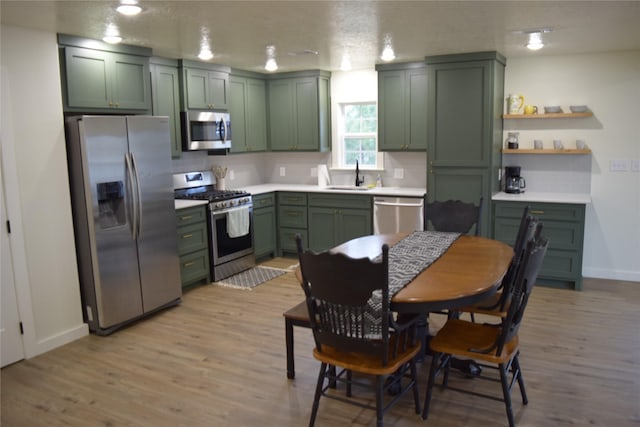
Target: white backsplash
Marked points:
301	168
553	173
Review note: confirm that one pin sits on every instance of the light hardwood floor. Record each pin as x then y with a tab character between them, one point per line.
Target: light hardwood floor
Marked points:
218	359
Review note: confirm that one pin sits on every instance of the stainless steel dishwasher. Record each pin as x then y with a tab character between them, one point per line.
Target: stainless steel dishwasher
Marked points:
397	214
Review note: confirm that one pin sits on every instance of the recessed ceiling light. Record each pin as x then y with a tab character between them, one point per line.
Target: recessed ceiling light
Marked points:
535	37
345	65
112	39
271	64
535	41
129	7
112	34
387	52
205	53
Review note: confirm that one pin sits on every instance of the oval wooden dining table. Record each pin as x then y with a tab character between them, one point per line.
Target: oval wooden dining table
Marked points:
470	270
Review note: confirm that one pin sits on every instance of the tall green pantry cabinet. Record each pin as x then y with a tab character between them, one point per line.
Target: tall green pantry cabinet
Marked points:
464	128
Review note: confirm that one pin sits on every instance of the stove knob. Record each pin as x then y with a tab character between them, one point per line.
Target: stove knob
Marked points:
219	205
232	202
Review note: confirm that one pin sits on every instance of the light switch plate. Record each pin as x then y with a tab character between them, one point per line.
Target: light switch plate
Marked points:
635	165
283	171
618	165
398	173
314	172
232	175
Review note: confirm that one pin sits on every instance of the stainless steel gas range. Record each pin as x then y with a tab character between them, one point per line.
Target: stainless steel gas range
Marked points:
230	224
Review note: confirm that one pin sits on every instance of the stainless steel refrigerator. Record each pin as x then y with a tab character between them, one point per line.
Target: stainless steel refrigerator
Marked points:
124	217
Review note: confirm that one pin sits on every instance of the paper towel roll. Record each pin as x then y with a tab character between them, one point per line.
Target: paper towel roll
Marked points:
323	176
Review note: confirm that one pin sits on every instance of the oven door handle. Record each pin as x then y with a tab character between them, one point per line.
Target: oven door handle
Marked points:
225	211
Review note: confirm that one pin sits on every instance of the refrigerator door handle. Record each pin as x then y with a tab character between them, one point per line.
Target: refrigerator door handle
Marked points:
134	205
138	196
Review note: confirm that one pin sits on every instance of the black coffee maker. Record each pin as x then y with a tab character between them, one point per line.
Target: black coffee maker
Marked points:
513	182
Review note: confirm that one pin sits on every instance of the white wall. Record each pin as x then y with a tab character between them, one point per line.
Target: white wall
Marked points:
37	187
609	84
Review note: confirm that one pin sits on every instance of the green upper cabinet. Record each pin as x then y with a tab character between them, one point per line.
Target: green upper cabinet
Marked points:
464	128
103	81
248	110
402	107
205	86
299	111
165	97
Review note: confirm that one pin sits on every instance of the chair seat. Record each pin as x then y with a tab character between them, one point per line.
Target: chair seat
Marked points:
365	363
298	314
458	336
491	301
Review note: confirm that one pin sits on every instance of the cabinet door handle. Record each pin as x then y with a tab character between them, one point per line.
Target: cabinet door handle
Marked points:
184	218
187	236
189	264
291	213
537	212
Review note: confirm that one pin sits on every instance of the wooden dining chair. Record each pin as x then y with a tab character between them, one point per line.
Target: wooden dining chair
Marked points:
498	303
453	215
355	331
492	346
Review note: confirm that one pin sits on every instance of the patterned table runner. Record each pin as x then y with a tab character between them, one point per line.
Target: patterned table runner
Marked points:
408	258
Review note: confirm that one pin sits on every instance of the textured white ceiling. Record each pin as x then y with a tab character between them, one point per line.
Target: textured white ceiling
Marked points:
240	30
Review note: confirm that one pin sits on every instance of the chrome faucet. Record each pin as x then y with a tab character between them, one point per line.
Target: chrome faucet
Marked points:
358	179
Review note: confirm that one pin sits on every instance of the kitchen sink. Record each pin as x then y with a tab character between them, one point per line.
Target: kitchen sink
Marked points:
348	187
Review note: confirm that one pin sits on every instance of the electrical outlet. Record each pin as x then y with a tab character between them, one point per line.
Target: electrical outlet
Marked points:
398	173
635	165
314	172
618	165
283	171
232	175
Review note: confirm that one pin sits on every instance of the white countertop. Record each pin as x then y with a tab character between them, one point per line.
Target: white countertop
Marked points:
181	204
268	188
543	197
382	191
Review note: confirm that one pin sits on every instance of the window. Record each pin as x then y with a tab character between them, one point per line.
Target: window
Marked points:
359	135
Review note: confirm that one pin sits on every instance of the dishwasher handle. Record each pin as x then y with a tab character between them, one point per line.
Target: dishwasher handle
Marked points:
381	203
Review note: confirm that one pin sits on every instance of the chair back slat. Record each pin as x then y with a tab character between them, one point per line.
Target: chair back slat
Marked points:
526	277
347	299
453	216
529	225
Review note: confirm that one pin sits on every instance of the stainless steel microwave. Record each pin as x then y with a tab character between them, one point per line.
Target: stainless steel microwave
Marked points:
206	130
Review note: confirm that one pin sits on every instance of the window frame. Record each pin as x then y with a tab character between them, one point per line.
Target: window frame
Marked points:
339	149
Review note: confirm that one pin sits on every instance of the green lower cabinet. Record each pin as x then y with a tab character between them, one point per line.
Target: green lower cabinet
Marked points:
335	219
292	220
563	224
193	245
264	225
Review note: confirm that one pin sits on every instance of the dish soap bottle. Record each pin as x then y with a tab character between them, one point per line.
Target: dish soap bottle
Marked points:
379	181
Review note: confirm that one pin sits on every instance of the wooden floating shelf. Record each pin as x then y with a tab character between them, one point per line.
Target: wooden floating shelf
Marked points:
548	116
543	151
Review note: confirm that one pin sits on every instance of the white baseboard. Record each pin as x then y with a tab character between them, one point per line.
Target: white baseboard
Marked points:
55	341
601	273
